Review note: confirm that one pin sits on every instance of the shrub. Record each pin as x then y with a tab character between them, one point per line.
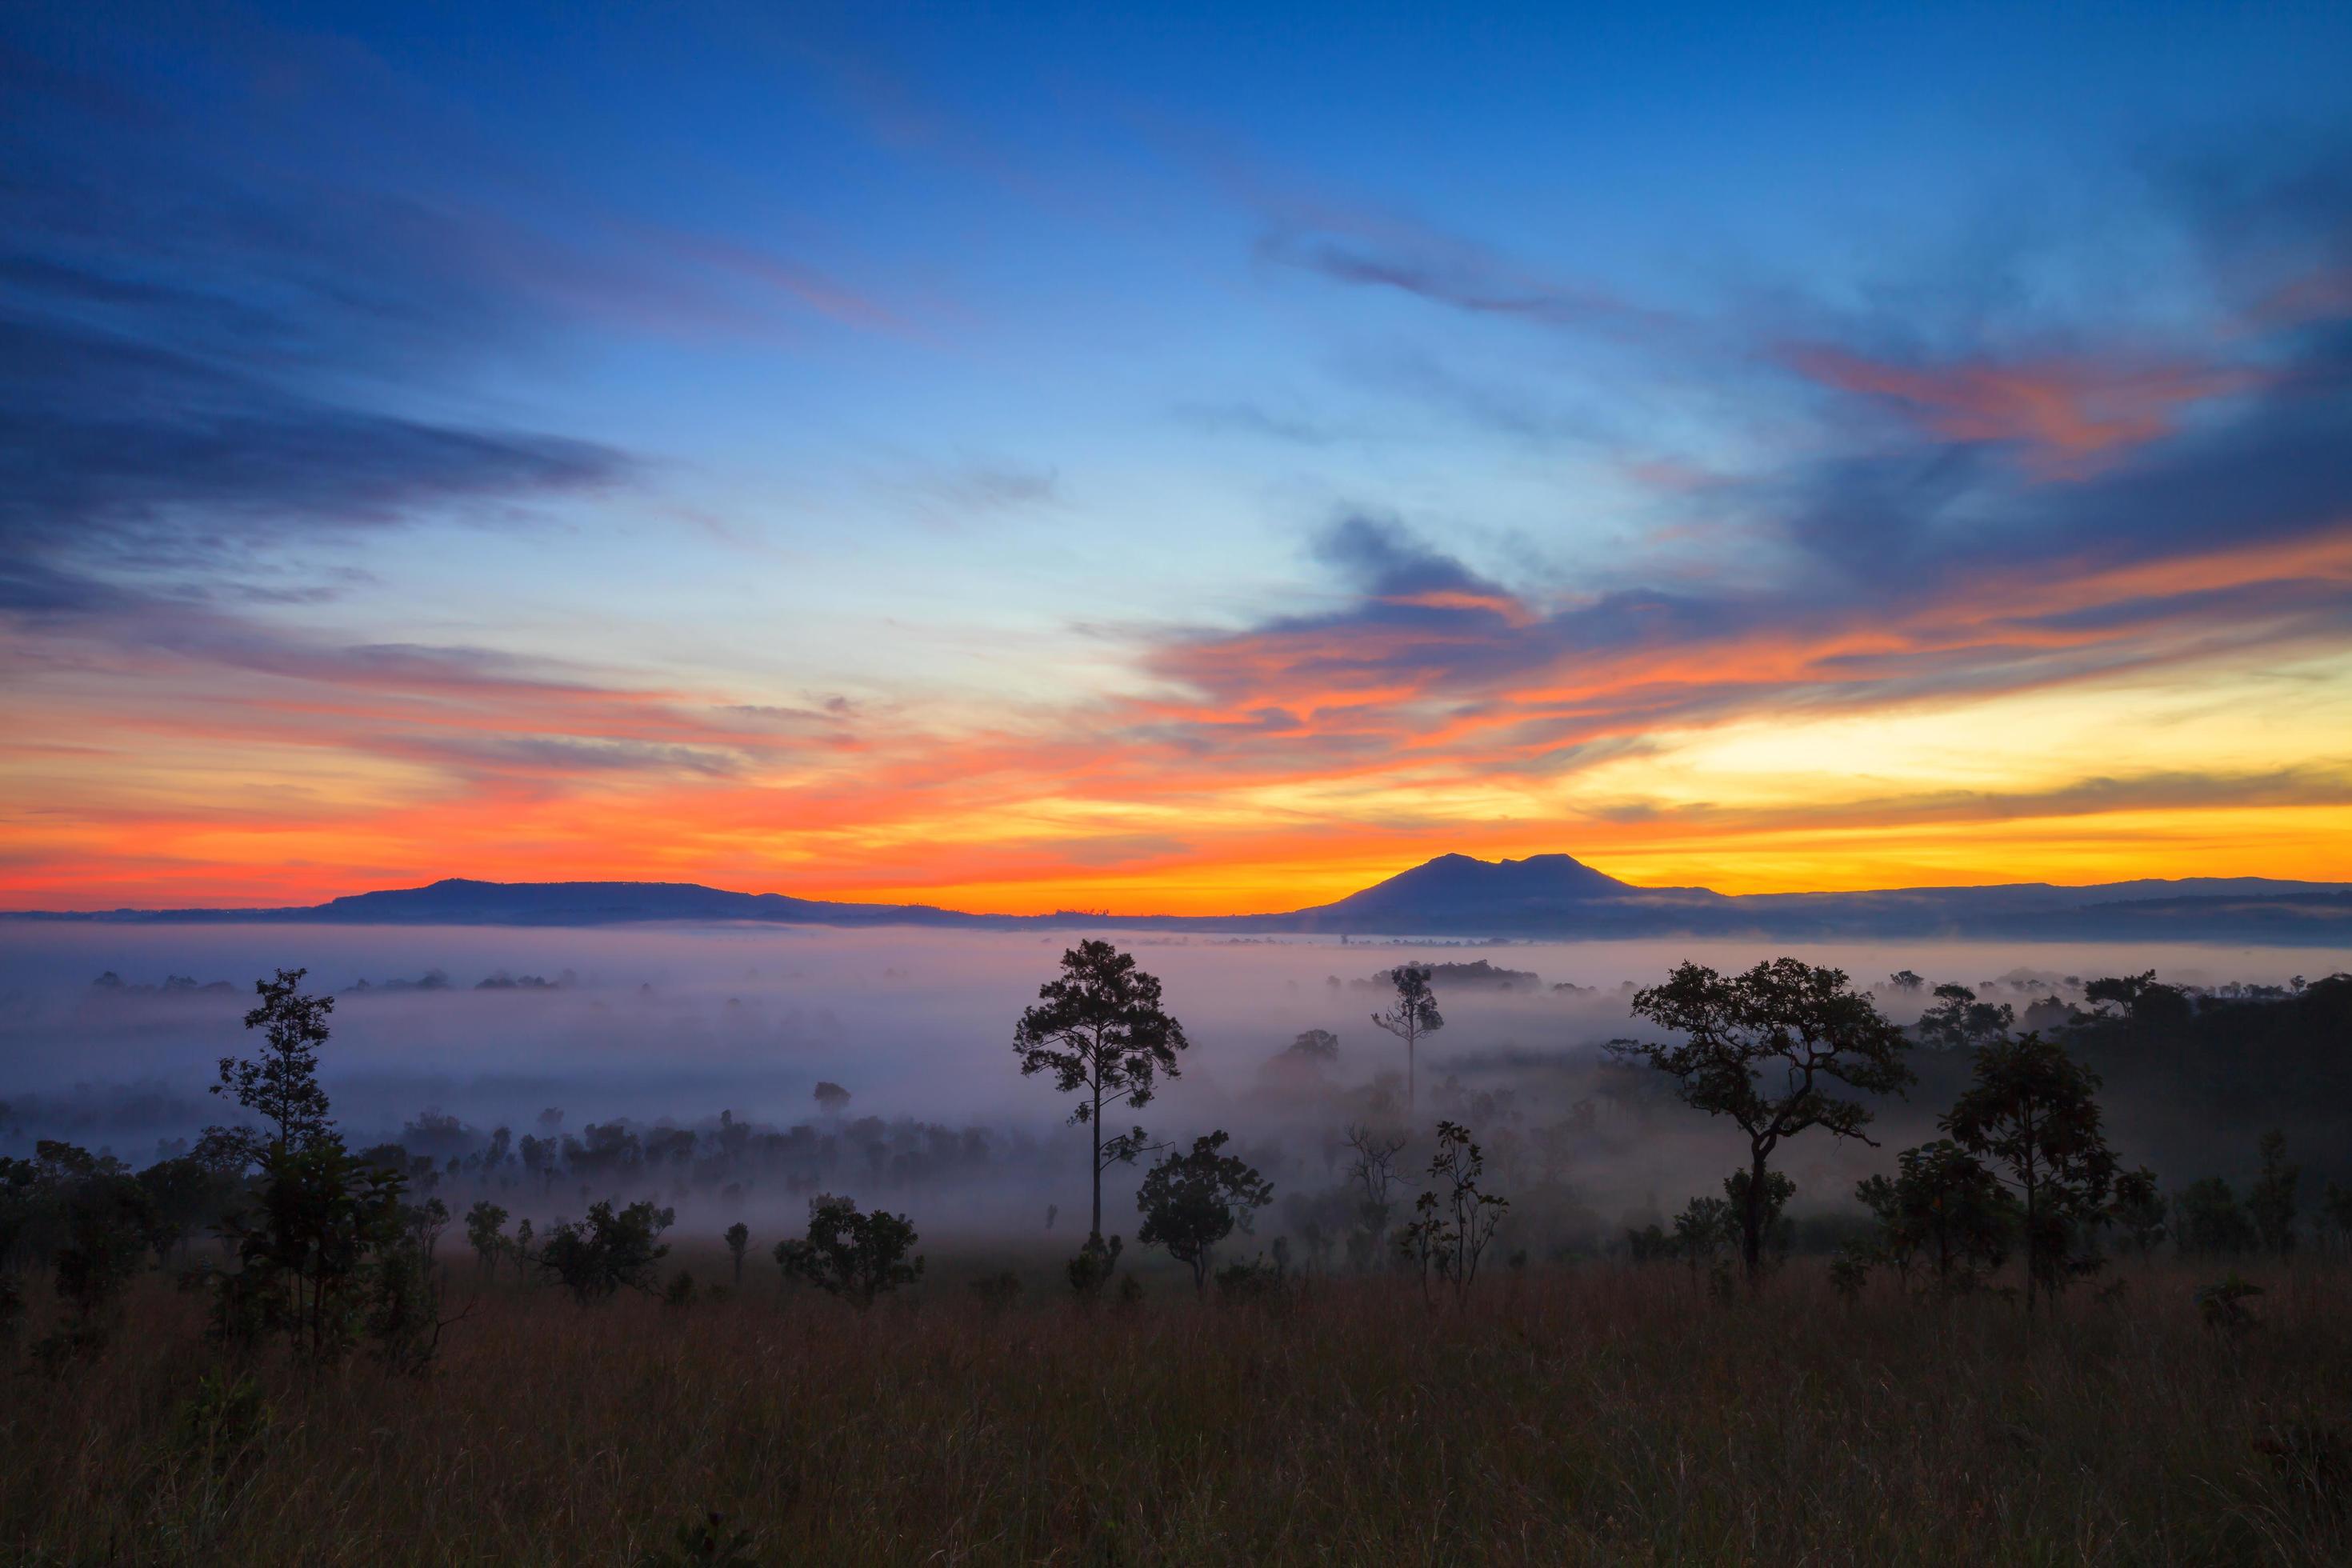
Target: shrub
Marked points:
1240	1284
326	1235
609	1250
1091	1268
1454	1230
1192	1201
854	1256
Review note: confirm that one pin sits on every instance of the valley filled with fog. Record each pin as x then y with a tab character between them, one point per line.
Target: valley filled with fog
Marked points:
109	1035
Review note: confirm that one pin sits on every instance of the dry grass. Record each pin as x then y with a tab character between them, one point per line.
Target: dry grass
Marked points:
1595	1414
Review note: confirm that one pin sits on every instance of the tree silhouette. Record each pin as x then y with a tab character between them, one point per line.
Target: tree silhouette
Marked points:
1100	1030
1413	1014
2270	1202
610	1249
282	1084
485	1227
1944	1206
1192	1201
2032	1110
1800	1024
1959	1022
738	1238
854	1256
1453	1228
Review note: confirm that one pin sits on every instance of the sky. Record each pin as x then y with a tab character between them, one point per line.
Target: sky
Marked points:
1192	459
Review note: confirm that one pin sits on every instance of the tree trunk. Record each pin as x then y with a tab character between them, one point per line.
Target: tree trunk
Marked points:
1751	1223
2032	1231
1095	1234
1411	1081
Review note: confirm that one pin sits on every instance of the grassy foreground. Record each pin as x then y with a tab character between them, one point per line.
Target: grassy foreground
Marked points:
1601	1413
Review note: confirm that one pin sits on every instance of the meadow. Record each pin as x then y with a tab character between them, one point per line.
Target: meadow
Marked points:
1601	1412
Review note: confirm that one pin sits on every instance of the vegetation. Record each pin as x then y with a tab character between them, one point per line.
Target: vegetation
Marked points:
1944	1212
1191	1202
1600	1413
613	1249
856	1257
1767	1049
2033	1111
1410	1017
1455	1222
1100	1030
309	1405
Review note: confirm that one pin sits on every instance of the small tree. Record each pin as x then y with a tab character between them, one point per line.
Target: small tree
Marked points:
326	1227
854	1256
2033	1111
2270	1202
104	1219
2138	1210
738	1238
1944	1206
424	1222
1451	1229
1192	1201
486	1231
831	1098
1100	1030
1412	1014
1801	1025
612	1248
282	1084
1315	1046
1089	1270
1705	1226
1959	1022
1303	1066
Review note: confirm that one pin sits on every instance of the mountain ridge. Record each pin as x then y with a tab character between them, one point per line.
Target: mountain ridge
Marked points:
1453	895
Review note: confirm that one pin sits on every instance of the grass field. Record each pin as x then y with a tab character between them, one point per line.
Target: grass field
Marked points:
1594	1414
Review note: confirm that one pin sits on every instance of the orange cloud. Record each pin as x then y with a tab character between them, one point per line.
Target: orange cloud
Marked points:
2071	414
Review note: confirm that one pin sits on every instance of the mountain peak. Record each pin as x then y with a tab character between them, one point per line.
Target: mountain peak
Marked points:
1444	891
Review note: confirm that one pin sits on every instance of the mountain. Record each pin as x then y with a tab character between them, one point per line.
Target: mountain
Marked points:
1455	893
1550	896
456	900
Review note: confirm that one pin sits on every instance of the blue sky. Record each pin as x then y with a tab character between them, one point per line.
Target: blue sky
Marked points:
979	370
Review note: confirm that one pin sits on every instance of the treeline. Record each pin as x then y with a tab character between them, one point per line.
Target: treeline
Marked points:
326	1247
727	1158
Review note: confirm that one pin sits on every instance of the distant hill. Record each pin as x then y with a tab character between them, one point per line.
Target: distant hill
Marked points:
1551	896
1456	887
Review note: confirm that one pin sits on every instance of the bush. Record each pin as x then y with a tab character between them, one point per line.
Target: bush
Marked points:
854	1256
1242	1284
319	1256
1091	1269
610	1250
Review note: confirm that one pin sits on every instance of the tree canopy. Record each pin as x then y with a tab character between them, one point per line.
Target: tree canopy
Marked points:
1770	1048
1099	1029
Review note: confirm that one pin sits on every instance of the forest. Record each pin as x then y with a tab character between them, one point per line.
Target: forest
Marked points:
1388	1320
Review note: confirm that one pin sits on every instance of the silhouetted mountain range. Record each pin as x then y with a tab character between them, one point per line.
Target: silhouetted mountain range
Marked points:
1453	895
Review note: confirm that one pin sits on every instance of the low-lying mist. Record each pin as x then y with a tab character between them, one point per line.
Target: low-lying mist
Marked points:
109	1035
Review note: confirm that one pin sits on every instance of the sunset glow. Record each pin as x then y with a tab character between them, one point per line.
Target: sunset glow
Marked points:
1009	469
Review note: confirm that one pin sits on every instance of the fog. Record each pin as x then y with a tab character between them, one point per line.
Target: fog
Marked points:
673	1025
